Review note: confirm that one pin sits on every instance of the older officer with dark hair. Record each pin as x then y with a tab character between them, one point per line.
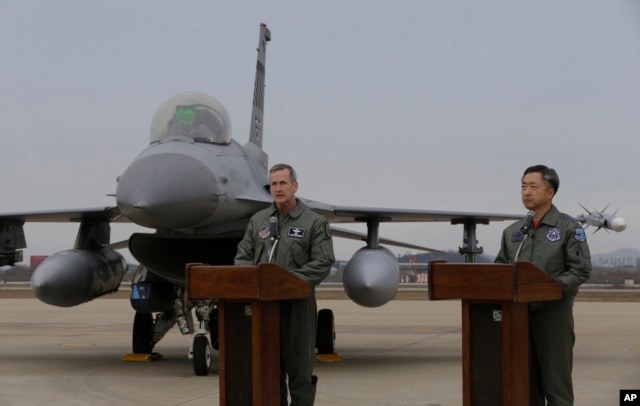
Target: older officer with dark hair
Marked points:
556	244
304	248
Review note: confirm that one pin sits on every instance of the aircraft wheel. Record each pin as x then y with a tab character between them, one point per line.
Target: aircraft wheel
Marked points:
142	333
201	355
326	334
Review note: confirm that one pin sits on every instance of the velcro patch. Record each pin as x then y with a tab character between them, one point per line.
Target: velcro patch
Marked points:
296	232
553	235
265	232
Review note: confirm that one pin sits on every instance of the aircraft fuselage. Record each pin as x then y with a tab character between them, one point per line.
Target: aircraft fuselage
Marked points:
183	184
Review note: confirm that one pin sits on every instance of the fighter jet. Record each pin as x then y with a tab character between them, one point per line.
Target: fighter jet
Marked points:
197	187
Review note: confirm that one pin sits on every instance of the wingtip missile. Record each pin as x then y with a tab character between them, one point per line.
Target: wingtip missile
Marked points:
600	219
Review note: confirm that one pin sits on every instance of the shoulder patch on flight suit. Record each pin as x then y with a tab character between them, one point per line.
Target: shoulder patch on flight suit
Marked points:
296	232
265	231
580	235
553	235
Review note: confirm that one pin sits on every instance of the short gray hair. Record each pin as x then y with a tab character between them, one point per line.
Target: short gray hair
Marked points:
279	167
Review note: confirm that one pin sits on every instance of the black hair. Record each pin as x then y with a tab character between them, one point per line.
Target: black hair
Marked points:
549	175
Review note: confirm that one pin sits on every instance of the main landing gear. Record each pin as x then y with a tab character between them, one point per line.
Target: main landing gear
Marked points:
149	328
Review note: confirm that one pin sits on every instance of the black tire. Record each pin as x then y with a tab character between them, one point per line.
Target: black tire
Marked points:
325	334
201	355
142	340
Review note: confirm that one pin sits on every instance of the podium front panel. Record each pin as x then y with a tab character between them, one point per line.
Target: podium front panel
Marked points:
495	353
486	353
237	368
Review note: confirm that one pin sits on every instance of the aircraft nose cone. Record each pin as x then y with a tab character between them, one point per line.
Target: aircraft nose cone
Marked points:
167	191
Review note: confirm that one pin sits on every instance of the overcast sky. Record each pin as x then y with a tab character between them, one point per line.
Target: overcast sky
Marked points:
410	104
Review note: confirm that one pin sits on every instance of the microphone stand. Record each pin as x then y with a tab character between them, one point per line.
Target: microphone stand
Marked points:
520	247
273	248
526	228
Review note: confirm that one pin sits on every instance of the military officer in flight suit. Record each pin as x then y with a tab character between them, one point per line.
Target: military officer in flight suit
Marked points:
305	248
556	244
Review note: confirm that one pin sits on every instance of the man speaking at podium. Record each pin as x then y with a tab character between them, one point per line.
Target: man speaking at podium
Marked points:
555	243
297	239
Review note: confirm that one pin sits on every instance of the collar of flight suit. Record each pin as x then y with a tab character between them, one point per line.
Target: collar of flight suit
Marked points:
551	217
293	213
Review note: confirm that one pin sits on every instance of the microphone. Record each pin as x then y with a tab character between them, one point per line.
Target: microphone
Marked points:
273	228
275	237
528	222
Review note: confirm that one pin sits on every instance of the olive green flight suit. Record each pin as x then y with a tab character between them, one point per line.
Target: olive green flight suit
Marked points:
558	246
305	248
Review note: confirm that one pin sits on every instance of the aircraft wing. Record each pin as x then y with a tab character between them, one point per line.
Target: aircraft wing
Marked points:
94	228
111	214
354	235
333	213
352	214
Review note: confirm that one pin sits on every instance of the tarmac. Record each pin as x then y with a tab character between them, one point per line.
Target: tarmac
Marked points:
407	352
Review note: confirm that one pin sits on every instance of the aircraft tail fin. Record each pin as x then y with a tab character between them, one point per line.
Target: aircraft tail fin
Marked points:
254	146
257	112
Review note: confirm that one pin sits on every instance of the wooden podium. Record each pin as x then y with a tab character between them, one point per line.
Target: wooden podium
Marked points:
495	325
249	326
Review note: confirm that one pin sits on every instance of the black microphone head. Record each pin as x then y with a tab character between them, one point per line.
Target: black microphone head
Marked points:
273	226
528	221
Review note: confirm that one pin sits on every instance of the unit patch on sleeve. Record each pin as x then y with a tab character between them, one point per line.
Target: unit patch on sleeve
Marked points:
580	235
296	232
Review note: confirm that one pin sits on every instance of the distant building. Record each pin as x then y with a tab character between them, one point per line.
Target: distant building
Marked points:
36	260
618	262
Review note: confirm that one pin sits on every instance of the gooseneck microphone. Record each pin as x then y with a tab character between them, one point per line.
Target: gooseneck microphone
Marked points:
526	227
275	235
273	228
528	222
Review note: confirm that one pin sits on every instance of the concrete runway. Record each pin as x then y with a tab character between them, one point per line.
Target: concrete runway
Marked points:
404	353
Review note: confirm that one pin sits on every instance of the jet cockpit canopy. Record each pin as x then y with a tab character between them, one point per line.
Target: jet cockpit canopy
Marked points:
194	115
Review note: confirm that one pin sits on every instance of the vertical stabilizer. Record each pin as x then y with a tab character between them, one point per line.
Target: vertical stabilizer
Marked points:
257	112
254	146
